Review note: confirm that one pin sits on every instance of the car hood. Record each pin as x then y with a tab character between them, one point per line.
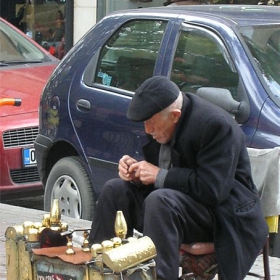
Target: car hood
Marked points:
26	83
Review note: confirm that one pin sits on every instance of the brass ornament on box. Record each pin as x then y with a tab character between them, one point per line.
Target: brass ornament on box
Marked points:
22	239
120	253
29	250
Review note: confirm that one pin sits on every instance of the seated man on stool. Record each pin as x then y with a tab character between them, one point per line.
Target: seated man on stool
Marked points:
194	185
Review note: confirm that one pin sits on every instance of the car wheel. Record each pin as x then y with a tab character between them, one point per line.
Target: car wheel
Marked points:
68	181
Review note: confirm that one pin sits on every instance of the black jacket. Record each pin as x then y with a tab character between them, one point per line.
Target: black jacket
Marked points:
210	164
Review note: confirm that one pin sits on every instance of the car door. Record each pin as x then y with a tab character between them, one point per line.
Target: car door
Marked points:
201	59
99	102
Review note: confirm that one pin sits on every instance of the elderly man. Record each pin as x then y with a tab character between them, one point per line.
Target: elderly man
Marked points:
195	184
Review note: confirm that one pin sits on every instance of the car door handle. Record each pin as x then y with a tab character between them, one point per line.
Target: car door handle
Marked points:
83	105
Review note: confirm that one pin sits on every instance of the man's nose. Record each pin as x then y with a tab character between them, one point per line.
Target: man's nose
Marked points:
148	128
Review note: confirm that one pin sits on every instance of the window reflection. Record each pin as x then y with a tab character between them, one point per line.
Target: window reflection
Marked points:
129	56
44	22
200	61
264	45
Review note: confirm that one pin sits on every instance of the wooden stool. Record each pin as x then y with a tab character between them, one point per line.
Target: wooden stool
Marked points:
200	258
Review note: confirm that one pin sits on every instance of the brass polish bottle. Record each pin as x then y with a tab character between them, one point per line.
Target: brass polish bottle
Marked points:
116	241
107	245
96	253
120	225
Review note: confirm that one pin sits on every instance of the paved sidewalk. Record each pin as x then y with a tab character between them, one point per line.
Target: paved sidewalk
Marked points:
14	215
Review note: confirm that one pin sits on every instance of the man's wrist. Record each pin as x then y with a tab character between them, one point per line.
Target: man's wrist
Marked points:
161	178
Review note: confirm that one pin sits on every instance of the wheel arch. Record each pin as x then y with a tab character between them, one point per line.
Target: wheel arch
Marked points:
58	151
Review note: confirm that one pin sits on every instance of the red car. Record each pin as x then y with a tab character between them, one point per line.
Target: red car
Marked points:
24	69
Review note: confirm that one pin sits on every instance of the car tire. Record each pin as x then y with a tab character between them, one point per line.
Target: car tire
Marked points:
68	181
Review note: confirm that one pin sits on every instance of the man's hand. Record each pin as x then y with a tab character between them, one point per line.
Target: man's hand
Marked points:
144	171
124	173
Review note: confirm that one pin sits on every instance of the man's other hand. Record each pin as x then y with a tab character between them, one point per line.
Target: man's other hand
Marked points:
144	171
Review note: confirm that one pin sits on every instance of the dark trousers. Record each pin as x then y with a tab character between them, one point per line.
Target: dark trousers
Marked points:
168	217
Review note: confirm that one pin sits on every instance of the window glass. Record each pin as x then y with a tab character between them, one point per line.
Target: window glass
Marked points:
129	56
15	48
201	61
44	22
264	45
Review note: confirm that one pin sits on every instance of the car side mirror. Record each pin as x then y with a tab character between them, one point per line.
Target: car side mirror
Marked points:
220	97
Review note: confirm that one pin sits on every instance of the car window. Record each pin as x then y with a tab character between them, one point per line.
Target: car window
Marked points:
129	56
263	43
15	48
200	61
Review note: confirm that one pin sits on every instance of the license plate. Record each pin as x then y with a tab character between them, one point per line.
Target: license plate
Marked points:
28	157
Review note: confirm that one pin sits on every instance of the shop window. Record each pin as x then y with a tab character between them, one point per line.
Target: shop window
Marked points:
44	22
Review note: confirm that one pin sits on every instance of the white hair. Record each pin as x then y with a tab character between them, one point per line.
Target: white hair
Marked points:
177	104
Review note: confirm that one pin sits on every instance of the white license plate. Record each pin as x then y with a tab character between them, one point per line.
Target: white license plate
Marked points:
28	157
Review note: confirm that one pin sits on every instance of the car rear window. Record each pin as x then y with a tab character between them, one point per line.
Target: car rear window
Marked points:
129	56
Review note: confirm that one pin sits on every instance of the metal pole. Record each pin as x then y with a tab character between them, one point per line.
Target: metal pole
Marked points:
69	25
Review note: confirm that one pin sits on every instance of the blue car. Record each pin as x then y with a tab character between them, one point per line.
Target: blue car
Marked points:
228	54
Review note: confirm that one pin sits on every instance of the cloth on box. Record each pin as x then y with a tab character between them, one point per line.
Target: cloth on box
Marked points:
265	164
79	257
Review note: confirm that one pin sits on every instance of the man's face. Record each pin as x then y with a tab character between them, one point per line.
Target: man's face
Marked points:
162	125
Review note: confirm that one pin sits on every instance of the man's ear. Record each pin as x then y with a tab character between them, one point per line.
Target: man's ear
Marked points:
176	115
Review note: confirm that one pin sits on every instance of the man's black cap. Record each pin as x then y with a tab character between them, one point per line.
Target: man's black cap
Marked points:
154	95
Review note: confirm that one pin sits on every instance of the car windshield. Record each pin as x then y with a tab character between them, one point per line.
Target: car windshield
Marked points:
16	49
264	44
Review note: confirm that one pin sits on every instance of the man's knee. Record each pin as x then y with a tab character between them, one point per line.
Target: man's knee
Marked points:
117	188
111	187
156	197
